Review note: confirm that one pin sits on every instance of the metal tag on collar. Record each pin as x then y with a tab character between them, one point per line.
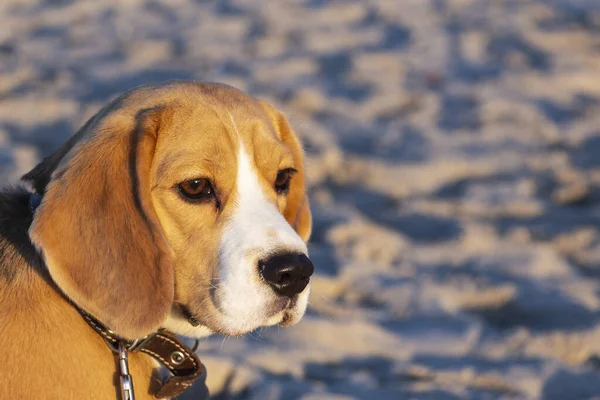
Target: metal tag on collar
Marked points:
125	377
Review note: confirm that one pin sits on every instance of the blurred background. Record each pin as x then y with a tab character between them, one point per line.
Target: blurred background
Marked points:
454	162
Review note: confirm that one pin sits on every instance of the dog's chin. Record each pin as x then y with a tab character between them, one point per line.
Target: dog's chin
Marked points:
284	312
279	311
287	317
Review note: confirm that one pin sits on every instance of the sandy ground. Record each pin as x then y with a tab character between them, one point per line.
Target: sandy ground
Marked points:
454	160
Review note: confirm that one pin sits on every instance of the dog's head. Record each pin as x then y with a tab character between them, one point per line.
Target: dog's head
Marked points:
183	206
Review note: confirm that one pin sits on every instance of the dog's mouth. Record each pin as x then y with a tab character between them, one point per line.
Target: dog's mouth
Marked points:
288	319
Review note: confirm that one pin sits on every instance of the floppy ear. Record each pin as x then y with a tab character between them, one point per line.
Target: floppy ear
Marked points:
97	229
297	211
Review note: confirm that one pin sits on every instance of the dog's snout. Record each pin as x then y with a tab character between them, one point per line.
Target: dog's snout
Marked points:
287	273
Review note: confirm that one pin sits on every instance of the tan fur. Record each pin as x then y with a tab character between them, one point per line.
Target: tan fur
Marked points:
119	242
296	210
49	352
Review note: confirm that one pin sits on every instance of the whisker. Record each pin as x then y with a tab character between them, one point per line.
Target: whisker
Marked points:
321	313
204	301
325	299
257	339
210	281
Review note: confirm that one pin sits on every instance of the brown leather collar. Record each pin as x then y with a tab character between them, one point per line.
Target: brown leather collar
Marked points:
162	345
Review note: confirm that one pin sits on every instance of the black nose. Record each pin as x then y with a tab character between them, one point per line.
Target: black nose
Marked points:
287	273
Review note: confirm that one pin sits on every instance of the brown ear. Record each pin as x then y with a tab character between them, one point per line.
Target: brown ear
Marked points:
303	223
297	211
98	231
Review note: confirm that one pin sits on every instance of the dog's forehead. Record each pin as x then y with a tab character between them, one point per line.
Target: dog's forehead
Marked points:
211	130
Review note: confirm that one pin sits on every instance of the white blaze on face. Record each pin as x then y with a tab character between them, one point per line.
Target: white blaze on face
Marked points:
256	230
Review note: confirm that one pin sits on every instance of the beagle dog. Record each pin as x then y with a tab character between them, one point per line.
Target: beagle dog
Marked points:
179	206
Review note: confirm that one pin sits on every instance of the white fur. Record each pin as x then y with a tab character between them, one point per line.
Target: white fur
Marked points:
256	230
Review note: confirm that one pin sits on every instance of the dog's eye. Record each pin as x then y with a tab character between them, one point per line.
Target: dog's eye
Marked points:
282	182
196	189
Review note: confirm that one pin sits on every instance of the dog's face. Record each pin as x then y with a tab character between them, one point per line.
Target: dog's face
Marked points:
222	200
199	204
